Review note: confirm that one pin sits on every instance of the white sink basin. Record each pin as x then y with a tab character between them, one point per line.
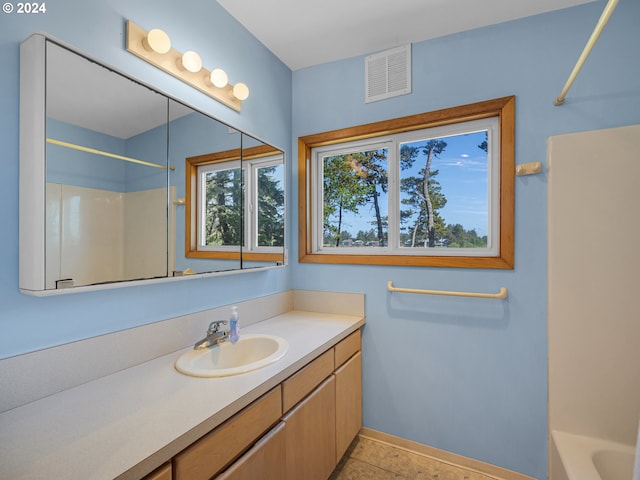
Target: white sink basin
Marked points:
249	353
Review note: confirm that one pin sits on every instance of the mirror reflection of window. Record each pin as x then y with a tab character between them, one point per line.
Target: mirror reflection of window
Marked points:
223	188
270	201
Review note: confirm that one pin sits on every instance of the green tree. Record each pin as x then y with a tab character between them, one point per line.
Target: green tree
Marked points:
458	237
270	208
372	172
367	236
343	191
425	192
223	208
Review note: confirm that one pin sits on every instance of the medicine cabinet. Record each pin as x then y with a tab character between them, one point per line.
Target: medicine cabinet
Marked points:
110	192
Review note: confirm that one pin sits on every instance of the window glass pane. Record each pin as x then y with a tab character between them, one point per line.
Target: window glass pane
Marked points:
444	192
222	208
270	206
355	206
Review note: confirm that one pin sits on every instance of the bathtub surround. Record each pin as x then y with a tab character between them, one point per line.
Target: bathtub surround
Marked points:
138	254
587	458
594	360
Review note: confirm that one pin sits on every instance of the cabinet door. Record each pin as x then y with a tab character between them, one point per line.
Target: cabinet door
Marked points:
348	403
311	435
265	460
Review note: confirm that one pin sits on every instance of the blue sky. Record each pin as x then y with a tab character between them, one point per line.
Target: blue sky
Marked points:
462	175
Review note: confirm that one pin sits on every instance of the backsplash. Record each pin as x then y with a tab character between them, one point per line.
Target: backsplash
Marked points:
29	377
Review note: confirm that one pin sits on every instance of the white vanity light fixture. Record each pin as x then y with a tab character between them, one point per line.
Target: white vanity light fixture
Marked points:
157	41
154	47
240	91
190	61
219	78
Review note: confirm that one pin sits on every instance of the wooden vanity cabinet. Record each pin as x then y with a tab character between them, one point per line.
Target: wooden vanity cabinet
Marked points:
311	435
348	374
302	383
217	449
266	460
348	403
162	473
309	419
320	428
348	347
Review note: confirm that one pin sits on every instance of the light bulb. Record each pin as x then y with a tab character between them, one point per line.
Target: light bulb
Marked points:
191	61
219	78
157	41
240	91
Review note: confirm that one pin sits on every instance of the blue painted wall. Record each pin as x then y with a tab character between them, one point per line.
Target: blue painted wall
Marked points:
98	29
465	375
470	375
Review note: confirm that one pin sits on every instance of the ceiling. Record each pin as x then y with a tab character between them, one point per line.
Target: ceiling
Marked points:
303	33
77	88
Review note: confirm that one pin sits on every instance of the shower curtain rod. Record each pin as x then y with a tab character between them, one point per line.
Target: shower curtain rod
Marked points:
104	154
604	18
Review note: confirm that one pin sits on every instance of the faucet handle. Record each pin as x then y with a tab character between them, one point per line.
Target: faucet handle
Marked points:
215	326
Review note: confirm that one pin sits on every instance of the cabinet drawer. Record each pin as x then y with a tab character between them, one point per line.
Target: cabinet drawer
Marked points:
299	385
347	347
266	460
162	473
217	449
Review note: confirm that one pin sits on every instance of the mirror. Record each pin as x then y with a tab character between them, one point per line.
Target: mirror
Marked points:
264	193
115	175
235	204
209	206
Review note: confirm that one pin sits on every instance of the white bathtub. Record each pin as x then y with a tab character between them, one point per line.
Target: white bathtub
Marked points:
587	458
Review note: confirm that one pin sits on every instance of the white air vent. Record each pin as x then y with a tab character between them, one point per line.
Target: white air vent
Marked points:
388	74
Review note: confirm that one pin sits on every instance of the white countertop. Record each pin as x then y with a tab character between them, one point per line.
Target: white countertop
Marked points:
126	424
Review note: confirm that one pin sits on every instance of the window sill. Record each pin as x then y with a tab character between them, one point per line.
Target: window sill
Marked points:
408	260
249	256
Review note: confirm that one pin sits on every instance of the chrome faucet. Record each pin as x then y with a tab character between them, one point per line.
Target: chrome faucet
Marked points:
214	336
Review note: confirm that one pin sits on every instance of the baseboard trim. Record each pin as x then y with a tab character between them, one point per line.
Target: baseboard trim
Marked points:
443	456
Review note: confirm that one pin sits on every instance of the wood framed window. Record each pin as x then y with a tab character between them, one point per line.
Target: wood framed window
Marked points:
432	189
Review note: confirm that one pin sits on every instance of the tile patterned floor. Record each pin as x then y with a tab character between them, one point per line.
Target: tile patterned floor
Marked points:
368	459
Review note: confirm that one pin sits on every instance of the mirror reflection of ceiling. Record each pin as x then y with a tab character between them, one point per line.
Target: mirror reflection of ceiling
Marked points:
297	35
125	110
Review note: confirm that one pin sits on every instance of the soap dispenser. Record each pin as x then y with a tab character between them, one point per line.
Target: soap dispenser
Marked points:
234	325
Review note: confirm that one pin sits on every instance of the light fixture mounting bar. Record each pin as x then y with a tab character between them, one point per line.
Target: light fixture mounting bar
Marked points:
168	62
